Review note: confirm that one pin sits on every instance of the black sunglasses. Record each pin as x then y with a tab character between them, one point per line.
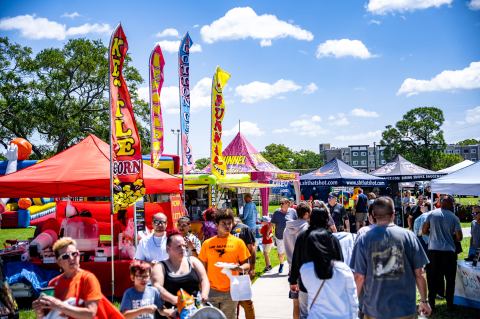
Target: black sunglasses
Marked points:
66	256
158	222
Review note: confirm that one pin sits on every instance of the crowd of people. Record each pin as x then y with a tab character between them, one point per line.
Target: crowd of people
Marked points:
333	273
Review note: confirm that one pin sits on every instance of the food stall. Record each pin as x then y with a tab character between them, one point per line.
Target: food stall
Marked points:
84	171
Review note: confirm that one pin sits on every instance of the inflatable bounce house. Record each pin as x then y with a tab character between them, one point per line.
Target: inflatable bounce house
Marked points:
22	212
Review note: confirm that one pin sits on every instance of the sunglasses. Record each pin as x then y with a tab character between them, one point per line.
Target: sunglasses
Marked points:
158	222
66	256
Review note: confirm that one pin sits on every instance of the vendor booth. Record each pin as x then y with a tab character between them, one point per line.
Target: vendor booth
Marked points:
84	171
465	181
334	174
242	158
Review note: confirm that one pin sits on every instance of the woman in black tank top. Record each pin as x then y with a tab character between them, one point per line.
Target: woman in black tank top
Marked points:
178	272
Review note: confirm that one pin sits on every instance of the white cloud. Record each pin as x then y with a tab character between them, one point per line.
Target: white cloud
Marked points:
373	21
311	88
472	116
72	15
359	112
304	126
367	137
257	91
390	6
172	46
343	48
89	28
243	23
169	32
339	119
247	129
35	28
474	5
449	80
199	96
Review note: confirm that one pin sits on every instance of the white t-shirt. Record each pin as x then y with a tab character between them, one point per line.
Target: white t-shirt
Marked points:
152	248
338	297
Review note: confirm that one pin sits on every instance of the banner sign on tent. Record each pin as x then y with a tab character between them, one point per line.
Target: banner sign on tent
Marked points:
184	86
127	164
156	81
218	163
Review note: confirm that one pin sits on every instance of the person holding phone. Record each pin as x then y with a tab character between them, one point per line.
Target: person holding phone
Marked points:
192	241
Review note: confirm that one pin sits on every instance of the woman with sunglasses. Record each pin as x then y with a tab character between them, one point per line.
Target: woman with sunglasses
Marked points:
77	292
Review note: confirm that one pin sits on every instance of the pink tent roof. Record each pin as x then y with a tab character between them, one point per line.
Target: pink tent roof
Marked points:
242	157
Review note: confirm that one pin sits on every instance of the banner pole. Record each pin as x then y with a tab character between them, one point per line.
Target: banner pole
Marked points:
111	160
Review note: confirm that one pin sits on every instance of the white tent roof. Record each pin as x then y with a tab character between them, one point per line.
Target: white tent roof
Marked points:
456	167
465	181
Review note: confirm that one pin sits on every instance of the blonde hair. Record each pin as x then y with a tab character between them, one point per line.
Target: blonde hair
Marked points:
62	243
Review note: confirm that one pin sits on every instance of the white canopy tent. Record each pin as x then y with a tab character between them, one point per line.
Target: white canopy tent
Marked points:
465	181
456	167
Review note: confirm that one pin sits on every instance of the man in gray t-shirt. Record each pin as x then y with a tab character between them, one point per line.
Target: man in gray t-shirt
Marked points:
443	228
279	219
388	262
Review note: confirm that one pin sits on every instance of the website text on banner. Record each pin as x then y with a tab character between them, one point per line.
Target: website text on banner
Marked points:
184	87
157	63
218	163
127	165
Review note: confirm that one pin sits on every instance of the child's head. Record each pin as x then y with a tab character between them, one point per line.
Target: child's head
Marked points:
140	273
266	220
476	212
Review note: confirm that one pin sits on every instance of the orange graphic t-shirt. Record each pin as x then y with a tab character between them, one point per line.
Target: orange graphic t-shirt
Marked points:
84	286
229	250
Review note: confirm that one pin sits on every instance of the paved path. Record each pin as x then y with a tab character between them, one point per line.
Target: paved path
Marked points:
270	296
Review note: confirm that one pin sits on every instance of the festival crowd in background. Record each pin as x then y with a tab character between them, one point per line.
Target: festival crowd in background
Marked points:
373	272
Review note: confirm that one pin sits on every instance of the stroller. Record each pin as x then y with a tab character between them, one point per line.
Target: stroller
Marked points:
208	312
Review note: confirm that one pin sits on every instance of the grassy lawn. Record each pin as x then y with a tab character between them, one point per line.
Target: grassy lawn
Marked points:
468	200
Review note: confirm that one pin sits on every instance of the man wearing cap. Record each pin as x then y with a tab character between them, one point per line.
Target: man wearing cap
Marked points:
338	213
153	248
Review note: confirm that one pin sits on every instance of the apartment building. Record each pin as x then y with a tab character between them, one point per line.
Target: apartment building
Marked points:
468	152
365	158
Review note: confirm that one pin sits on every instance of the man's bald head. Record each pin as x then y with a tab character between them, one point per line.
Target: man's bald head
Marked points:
160	216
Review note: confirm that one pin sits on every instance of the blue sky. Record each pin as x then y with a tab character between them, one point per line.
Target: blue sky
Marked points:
302	73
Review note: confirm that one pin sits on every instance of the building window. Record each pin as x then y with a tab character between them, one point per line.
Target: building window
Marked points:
347	162
355	162
372	162
473	151
473	159
466	151
364	153
364	162
457	151
383	162
355	153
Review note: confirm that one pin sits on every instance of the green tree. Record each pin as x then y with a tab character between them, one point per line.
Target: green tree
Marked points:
279	155
201	163
468	141
446	160
64	95
417	136
306	159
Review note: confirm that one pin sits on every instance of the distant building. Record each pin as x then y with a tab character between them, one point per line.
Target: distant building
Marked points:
365	158
468	152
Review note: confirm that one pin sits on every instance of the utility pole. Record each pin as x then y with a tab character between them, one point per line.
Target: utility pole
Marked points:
177	133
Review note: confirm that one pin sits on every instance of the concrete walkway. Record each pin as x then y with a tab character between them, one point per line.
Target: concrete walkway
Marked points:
270	296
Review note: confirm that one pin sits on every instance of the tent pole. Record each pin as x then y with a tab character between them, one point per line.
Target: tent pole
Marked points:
401	205
111	166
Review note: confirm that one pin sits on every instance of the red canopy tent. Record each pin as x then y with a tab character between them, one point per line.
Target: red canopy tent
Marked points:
81	170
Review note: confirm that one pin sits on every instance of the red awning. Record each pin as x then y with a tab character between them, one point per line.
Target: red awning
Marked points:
81	170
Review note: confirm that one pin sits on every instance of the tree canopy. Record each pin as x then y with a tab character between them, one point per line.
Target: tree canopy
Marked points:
285	158
59	96
468	141
201	163
417	136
